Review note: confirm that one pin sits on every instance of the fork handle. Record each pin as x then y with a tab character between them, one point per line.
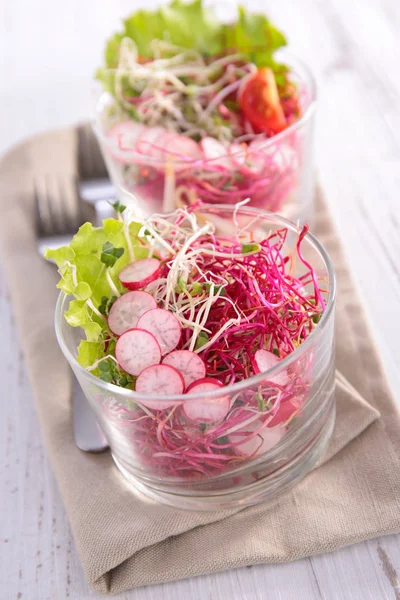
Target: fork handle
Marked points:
87	433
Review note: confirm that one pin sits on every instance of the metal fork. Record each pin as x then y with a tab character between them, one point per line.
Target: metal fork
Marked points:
59	212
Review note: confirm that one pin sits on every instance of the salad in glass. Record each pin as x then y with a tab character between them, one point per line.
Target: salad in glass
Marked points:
193	328
196	109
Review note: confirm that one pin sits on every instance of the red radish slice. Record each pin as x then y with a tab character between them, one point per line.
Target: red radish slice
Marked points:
147	143
208	410
158	143
127	310
159	380
164	326
263	361
162	143
136	350
190	365
140	273
258	444
205	380
238	154
216	152
285	411
182	147
124	138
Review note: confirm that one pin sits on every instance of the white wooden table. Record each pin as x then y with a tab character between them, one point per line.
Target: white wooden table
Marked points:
48	52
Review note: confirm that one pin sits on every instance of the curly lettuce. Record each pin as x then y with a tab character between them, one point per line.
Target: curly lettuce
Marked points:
191	26
89	269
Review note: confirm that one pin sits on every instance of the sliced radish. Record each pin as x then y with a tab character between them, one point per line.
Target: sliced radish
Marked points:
140	273
147	143
158	143
137	349
238	154
266	438
164	326
182	147
285	411
263	361
216	152
127	310
159	380
124	138
208	410
190	365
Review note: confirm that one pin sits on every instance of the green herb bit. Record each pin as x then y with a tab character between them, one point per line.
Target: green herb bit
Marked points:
181	287
106	376
232	105
276	352
110	373
217	288
107	371
104	366
202	339
221	441
106	304
111	345
250	248
316	318
203	427
109	254
197	289
117	206
260	402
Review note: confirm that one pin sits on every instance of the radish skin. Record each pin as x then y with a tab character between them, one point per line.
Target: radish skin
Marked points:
216	152
159	380
140	273
190	365
127	310
136	350
208	410
263	361
286	411
157	143
124	135
255	445
164	326
147	143
183	148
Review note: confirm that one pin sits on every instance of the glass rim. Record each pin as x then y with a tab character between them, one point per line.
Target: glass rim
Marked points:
265	143
240	385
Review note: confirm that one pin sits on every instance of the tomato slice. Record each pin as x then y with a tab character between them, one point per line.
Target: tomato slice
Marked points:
259	101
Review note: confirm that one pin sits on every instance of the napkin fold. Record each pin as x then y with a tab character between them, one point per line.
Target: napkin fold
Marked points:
126	540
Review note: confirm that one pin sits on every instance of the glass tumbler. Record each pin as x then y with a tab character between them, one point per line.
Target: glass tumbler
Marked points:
275	173
251	454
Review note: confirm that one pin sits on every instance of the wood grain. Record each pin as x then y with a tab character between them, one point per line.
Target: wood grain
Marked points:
46	66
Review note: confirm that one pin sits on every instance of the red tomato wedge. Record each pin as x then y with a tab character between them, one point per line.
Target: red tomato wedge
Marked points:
259	101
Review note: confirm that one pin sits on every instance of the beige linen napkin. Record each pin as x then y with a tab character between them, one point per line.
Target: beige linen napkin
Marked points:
125	540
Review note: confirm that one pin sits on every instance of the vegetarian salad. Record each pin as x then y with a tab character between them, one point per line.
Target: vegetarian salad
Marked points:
192	104
170	307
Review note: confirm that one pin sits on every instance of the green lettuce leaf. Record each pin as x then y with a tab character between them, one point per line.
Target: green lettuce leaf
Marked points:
84	276
255	37
190	25
187	25
80	315
89	352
